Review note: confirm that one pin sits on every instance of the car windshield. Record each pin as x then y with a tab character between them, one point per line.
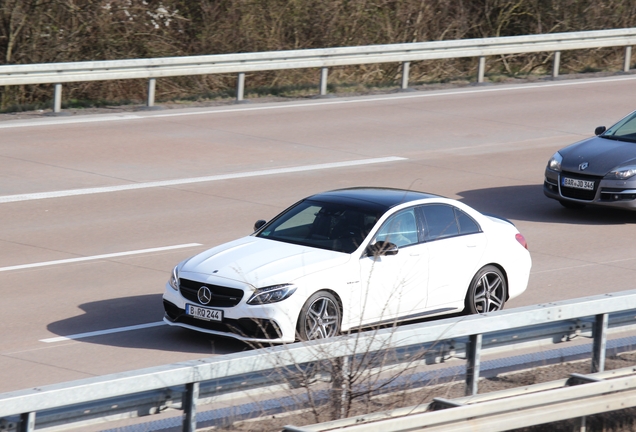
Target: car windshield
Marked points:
325	225
624	130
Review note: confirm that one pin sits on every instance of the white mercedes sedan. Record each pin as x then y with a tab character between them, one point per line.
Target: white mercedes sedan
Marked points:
350	259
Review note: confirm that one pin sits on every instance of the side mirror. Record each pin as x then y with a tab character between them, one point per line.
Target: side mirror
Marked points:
599	130
258	224
382	248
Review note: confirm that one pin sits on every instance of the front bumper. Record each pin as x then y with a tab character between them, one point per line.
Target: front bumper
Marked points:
244	328
261	323
607	193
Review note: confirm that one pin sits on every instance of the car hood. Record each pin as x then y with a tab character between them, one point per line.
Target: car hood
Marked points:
601	154
259	262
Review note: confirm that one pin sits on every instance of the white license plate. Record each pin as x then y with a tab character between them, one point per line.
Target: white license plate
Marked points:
577	184
204	313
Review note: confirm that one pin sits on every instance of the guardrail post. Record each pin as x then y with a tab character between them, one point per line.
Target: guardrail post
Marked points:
473	363
628	59
240	87
481	68
152	82
323	80
405	74
345	394
340	386
599	333
556	65
57	98
27	422
190	398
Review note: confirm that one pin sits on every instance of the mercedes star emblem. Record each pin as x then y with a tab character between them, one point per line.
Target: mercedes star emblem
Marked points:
204	295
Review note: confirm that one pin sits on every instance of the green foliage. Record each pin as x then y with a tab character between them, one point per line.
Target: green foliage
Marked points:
45	31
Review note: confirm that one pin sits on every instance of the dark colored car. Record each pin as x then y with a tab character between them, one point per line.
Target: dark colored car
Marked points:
599	171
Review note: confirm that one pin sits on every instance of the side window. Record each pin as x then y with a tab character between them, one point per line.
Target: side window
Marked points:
400	229
467	225
440	221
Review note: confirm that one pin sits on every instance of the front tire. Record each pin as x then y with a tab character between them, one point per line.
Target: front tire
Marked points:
487	292
320	317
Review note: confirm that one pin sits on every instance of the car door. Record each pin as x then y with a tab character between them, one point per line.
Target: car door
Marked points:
455	246
394	286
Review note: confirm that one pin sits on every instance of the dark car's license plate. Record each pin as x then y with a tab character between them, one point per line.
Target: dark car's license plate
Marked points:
203	313
577	184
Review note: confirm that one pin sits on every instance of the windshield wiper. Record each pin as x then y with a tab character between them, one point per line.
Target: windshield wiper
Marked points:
618	138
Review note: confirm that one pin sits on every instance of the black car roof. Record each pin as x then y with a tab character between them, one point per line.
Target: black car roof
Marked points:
379	199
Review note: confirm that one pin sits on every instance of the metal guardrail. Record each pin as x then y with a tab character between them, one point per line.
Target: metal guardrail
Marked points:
576	397
570	318
151	69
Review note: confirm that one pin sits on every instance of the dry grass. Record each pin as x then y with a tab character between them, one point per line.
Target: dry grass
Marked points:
38	31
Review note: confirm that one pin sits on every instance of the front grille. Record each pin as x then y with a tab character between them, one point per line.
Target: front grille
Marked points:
581	194
223	297
246	327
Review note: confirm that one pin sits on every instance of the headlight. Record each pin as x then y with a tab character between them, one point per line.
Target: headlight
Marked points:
271	294
555	162
174	279
622	173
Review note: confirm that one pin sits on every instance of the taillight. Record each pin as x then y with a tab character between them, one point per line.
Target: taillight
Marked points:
522	240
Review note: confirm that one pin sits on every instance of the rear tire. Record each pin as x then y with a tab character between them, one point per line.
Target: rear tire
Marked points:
487	291
319	318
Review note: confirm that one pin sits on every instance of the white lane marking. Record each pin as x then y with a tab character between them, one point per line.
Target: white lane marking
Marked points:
97	257
588	264
426	94
101	332
66	120
317	103
88	191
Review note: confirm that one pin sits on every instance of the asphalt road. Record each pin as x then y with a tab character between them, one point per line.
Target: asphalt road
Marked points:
95	210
